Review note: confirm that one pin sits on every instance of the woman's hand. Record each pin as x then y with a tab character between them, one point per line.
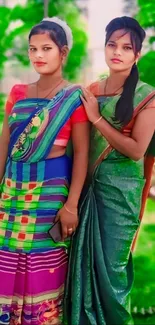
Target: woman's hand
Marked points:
69	220
91	105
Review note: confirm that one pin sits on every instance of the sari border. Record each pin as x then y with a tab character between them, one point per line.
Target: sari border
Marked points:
138	109
103	155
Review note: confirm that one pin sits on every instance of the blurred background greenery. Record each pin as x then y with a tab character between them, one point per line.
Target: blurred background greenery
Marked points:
15	23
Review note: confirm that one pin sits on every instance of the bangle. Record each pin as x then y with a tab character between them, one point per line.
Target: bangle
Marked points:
99	119
69	210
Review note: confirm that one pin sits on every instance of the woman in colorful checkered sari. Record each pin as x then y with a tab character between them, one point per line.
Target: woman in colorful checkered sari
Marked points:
37	178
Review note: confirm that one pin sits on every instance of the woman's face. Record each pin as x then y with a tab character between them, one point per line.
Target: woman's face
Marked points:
44	54
119	52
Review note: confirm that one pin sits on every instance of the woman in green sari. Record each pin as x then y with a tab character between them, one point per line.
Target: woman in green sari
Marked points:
122	112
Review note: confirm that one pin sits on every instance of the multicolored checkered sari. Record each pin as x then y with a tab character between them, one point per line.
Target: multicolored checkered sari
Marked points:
33	268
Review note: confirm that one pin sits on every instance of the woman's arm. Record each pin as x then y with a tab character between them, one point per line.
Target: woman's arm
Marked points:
4	142
133	147
80	139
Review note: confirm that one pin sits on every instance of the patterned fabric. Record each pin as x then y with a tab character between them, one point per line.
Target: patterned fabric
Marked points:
19	92
33	268
100	275
32	194
35	285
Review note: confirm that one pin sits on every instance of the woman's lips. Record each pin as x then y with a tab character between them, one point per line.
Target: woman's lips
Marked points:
116	60
40	64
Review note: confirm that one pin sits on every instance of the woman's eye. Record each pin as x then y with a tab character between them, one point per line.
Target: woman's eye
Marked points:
111	45
127	48
32	49
47	48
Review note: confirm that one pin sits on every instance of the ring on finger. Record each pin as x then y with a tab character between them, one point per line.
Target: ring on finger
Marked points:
70	230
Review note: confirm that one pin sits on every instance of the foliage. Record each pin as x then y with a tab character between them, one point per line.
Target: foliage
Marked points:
146	17
130	7
15	41
144	259
147	68
18	22
2	100
144	12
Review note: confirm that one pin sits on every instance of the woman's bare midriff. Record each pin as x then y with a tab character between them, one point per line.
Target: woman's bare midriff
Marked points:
56	151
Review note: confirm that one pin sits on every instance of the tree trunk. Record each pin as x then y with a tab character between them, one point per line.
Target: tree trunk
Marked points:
46	3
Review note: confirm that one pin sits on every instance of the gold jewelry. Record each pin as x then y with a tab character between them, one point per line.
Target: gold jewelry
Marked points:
36	121
69	210
99	119
70	229
105	87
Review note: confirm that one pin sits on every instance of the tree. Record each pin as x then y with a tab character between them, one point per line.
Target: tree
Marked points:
46	4
146	17
144	12
130	7
65	9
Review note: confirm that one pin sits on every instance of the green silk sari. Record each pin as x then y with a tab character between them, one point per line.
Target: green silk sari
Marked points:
101	271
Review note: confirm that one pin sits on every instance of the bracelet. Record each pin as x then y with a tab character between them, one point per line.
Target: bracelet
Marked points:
69	210
99	119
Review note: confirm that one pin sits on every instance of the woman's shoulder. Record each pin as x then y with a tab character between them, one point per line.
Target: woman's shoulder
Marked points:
96	87
144	93
18	89
73	90
74	86
145	86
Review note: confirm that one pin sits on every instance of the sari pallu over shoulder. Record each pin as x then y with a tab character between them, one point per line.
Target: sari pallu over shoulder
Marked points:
34	131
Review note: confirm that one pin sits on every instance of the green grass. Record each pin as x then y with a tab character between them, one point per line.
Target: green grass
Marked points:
150	208
144	320
143	293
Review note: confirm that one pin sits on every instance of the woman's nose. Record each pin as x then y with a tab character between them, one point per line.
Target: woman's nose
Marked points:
117	51
39	54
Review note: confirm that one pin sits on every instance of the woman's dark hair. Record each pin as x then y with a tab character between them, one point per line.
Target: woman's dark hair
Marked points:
124	107
55	32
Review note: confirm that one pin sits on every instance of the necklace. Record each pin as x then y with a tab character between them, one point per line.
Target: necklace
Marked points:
51	90
105	87
36	121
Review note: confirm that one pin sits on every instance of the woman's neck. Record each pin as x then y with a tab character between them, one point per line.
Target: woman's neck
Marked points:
117	79
46	81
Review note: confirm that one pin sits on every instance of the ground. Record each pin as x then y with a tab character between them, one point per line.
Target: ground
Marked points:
143	293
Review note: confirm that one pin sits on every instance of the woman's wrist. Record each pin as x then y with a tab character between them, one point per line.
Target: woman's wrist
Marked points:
72	205
95	118
70	209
